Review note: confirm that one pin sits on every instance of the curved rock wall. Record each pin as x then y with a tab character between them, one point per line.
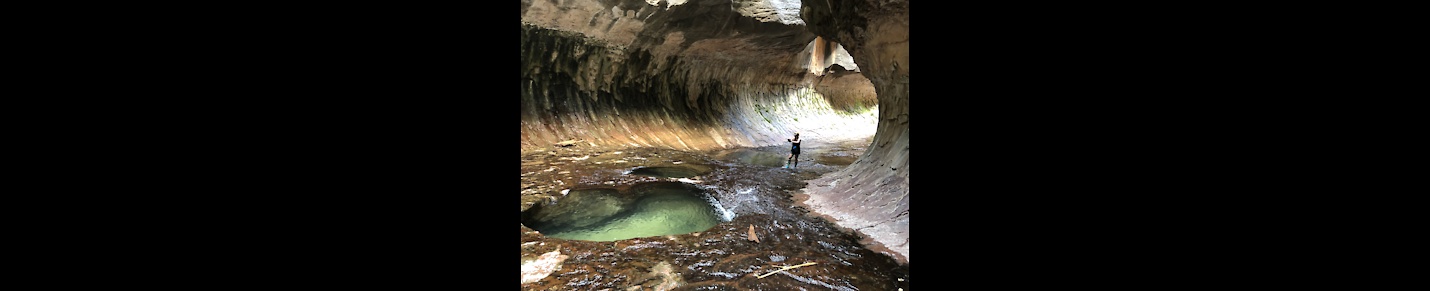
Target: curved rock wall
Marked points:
871	195
694	76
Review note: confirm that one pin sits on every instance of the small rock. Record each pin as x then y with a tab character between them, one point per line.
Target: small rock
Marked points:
534	270
752	236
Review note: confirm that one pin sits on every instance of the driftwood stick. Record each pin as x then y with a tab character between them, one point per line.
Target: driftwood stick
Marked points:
783	269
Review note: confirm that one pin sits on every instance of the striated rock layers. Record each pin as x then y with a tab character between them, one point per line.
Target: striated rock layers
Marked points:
699	75
710	74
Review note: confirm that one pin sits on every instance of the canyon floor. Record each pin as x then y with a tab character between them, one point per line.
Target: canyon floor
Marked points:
795	249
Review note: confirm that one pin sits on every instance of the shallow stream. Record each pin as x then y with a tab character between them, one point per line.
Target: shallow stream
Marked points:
667	219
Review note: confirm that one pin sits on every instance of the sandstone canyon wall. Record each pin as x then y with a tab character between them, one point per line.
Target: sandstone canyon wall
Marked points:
871	195
710	74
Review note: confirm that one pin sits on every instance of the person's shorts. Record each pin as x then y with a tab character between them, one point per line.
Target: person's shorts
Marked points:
795	152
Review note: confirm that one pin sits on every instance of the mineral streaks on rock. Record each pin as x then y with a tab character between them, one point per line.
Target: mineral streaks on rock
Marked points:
542	266
824	55
715	93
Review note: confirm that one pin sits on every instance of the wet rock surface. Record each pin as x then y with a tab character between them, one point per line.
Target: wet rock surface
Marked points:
720	258
670	172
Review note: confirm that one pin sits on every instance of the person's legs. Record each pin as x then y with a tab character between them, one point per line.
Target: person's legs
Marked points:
795	158
789	159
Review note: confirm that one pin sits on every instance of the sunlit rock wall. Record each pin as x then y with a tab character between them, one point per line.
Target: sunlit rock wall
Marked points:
871	195
691	75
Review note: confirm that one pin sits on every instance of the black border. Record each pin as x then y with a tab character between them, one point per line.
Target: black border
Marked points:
336	145
326	145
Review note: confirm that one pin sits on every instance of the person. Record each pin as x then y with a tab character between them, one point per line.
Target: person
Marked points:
793	152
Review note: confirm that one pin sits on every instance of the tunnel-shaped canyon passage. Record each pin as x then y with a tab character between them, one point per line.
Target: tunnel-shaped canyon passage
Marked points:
621	93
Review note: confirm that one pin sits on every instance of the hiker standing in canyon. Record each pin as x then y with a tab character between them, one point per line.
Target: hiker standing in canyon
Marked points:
793	152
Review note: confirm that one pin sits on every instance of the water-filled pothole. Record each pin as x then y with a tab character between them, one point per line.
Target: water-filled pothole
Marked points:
605	214
670	172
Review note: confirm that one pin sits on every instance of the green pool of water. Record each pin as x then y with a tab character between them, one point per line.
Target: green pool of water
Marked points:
651	209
